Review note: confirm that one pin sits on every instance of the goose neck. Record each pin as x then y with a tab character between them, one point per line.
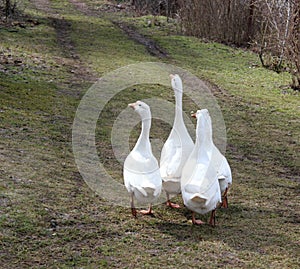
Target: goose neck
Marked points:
178	107
143	142
146	125
204	144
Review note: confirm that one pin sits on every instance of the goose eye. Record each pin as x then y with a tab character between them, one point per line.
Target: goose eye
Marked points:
140	105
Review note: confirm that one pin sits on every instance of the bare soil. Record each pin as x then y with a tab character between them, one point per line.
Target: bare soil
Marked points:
80	70
152	47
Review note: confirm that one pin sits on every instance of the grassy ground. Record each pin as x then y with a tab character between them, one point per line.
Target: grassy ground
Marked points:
51	219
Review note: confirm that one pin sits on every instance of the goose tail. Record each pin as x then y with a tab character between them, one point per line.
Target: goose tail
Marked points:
199	199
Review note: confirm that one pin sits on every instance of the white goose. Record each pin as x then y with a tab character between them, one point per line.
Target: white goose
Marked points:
141	171
176	149
199	181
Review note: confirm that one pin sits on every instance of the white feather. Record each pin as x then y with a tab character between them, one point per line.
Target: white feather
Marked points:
177	147
199	183
141	171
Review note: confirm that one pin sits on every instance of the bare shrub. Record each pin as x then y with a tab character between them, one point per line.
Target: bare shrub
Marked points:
270	27
293	48
277	39
228	21
274	17
155	7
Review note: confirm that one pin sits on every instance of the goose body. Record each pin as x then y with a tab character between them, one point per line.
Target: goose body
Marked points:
141	171
199	182
177	147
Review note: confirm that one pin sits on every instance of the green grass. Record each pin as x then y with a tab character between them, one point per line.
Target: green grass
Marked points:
106	48
51	219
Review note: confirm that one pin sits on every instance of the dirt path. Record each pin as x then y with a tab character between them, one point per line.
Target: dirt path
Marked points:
63	32
80	70
83	8
152	47
43	5
61	26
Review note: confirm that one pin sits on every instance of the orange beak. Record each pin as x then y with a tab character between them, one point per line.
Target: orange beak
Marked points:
172	76
193	115
132	105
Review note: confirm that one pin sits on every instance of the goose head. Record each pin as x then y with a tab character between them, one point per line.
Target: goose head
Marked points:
176	83
204	125
142	109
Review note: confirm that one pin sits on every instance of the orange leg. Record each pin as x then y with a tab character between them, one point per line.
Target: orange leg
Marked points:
147	212
170	204
133	210
225	199
212	220
196	222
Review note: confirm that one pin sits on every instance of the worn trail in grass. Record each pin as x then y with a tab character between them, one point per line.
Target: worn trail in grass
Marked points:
50	218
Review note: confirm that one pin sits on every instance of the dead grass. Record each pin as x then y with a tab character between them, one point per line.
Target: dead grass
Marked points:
51	219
